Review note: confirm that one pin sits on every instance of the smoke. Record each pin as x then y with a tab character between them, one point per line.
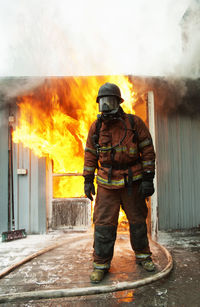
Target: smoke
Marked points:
65	38
80	38
172	95
179	95
11	87
189	65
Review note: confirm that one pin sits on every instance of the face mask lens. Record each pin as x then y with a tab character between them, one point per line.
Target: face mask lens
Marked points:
108	103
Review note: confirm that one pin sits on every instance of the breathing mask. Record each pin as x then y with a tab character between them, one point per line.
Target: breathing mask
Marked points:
108	105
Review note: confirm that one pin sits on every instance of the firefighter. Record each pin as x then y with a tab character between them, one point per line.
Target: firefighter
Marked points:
120	147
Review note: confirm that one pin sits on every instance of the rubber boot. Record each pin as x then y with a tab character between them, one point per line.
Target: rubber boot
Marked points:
99	272
146	263
97	275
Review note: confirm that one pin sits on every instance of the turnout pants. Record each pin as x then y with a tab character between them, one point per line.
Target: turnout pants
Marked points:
105	218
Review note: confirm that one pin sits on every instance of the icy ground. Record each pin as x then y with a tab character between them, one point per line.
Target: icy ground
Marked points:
70	265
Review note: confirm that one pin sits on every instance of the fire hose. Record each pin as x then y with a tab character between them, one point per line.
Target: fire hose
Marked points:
100	289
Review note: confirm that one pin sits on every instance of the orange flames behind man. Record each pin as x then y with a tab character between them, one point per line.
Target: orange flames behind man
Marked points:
54	122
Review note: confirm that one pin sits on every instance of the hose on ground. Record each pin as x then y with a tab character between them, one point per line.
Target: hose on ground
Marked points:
59	293
36	254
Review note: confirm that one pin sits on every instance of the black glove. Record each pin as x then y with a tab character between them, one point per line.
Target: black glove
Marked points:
146	188
89	186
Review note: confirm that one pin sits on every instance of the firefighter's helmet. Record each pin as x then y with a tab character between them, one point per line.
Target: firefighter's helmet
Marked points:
109	89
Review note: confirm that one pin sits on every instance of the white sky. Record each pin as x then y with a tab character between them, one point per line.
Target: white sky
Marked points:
88	37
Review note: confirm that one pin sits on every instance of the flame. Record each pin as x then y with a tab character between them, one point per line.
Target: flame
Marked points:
54	121
124	296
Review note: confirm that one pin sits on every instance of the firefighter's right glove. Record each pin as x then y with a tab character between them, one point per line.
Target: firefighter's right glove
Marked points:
146	188
89	186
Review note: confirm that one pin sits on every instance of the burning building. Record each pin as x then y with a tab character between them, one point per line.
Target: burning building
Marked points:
44	128
49	125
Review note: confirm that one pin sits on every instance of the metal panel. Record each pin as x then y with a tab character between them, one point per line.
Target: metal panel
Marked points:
178	151
3	170
34	222
30	195
42	195
154	197
23	189
37	178
29	191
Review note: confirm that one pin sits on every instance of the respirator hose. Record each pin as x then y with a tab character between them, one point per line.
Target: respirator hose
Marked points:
100	149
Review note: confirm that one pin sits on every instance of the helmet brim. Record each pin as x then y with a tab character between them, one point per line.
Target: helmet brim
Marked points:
120	99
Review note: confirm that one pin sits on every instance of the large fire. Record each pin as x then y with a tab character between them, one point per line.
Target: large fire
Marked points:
54	122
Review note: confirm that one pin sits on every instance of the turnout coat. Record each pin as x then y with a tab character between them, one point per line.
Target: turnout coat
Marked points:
128	161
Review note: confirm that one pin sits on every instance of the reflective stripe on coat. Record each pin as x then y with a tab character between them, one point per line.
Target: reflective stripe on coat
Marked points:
141	152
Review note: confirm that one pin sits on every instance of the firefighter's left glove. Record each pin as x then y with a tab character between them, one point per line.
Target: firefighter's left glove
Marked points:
89	186
146	188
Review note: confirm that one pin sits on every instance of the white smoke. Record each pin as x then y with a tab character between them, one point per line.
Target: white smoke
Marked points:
189	65
62	37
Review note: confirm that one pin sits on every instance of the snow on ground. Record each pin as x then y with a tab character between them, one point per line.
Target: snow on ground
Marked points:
13	251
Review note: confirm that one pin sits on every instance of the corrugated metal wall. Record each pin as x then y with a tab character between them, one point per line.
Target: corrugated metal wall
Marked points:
178	168
29	189
3	170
